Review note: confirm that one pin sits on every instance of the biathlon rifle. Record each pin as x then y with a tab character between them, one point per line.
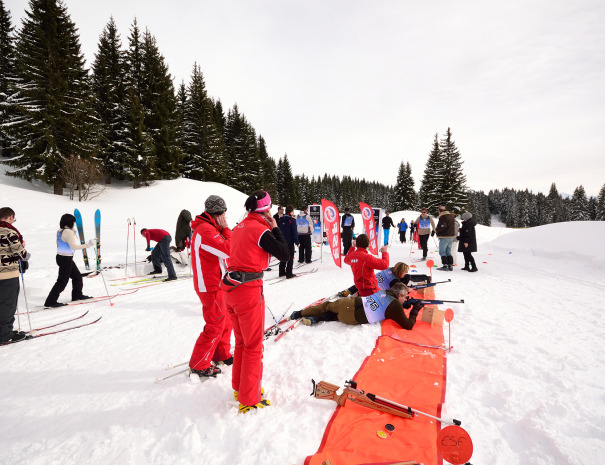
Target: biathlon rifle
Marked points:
424	286
326	391
435	302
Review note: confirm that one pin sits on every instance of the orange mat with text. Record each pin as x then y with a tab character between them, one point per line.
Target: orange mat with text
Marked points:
407	367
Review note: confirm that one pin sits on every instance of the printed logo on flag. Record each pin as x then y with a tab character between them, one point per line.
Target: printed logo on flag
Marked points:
330	214
367	213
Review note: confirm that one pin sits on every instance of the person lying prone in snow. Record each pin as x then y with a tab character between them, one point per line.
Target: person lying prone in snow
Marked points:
386	278
383	305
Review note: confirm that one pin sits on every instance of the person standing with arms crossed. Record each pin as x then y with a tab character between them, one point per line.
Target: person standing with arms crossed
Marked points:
255	239
211	244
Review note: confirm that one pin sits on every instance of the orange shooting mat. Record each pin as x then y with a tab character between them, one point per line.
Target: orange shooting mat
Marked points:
402	368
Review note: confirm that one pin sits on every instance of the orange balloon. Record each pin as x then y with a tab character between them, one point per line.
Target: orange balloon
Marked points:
430	263
449	315
454	445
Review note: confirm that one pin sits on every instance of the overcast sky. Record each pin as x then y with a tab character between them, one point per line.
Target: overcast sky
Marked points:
356	87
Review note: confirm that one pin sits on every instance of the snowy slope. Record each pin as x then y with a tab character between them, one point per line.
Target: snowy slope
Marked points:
525	375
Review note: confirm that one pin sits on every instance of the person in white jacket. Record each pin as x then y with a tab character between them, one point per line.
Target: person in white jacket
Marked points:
66	246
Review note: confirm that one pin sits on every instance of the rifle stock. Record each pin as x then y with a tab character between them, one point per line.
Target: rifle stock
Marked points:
327	391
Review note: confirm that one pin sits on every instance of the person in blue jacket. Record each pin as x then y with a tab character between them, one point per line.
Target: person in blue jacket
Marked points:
402	226
287	226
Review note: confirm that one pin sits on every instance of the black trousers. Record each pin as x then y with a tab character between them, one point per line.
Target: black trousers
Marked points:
424	239
285	268
67	270
304	251
469	259
401	236
347	240
9	294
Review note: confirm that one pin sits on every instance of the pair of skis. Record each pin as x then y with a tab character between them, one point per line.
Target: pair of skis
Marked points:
279	279
35	333
80	227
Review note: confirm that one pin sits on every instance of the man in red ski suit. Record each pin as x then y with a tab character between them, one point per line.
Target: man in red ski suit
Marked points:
211	246
254	240
363	265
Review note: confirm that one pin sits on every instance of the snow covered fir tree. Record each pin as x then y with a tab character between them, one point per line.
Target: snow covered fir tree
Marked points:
125	118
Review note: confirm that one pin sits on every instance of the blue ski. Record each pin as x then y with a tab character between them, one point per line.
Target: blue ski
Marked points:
81	234
98	233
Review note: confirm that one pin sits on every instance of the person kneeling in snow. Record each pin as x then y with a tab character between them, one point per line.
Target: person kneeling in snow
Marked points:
382	305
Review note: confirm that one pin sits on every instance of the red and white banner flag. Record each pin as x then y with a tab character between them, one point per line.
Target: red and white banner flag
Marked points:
367	215
332	228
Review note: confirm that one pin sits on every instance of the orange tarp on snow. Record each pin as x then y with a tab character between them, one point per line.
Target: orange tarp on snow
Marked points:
401	368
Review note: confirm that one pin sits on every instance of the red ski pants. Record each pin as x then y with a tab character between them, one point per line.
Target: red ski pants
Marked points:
246	307
214	342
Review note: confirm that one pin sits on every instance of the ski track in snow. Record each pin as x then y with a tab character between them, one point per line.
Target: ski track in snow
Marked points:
525	375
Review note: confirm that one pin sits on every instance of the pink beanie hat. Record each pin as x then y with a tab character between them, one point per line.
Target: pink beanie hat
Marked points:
259	202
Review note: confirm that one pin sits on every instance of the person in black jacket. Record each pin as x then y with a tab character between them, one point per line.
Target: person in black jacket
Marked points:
467	241
287	226
387	224
347	225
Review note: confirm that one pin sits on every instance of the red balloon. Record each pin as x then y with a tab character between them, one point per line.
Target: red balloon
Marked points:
430	263
449	315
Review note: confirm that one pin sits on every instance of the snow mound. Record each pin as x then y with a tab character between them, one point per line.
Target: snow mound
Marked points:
570	241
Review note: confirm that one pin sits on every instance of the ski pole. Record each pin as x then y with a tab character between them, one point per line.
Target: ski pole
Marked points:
134	242
24	298
127	241
104	283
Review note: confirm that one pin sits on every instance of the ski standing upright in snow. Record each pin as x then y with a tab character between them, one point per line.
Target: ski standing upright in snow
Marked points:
81	234
98	233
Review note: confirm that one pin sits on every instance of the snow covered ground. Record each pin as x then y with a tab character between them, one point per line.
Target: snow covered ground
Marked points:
526	375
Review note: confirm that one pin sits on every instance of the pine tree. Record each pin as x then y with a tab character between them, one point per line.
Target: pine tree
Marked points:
554	205
600	215
109	88
268	180
452	189
52	115
579	205
404	197
203	145
285	182
161	117
242	155
430	197
140	157
7	67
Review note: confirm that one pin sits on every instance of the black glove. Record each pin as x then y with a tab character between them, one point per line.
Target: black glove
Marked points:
24	266
415	309
407	304
432	233
148	249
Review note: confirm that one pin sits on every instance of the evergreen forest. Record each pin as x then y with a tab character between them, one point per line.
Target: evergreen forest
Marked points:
127	121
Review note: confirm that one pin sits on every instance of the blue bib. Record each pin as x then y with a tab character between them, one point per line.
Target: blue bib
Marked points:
384	278
375	305
348	221
62	246
424	223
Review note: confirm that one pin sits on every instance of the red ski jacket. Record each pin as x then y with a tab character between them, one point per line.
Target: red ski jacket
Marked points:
363	265
210	248
154	235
